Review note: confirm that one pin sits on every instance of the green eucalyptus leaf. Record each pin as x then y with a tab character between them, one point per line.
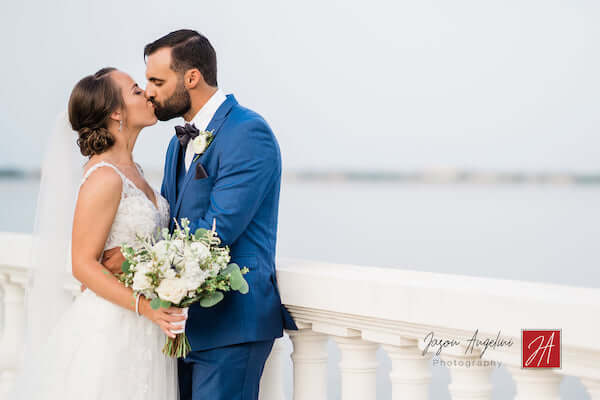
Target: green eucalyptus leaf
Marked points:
231	268
155	303
236	279
165	304
211	299
244	287
200	233
125	266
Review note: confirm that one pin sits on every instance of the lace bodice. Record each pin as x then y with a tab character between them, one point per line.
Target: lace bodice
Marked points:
136	214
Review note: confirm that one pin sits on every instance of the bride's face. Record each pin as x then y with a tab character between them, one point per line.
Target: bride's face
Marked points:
139	112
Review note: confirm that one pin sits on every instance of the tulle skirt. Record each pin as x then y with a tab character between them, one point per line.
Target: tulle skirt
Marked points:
100	351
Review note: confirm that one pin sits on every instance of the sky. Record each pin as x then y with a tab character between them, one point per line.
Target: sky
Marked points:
345	84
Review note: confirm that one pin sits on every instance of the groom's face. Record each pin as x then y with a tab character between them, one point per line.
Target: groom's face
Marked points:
165	87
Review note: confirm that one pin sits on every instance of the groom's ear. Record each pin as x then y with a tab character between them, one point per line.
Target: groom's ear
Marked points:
192	78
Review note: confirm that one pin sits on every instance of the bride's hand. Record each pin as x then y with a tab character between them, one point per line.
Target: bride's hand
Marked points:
163	317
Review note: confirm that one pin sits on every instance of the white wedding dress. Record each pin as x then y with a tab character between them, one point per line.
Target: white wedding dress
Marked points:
100	351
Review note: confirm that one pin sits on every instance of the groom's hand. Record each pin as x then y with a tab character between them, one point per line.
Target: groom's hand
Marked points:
113	260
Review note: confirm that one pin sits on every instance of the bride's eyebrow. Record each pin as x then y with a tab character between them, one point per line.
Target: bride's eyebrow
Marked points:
134	86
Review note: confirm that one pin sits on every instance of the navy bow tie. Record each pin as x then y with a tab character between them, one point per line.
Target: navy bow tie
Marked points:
186	133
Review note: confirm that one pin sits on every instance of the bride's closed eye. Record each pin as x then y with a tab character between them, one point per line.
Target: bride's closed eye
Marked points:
137	90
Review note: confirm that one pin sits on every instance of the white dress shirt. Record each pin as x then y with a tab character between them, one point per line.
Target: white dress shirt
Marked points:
202	119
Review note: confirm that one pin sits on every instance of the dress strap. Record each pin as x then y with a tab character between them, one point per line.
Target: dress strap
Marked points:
139	168
98	165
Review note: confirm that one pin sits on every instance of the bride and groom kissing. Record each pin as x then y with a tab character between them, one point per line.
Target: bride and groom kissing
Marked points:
100	348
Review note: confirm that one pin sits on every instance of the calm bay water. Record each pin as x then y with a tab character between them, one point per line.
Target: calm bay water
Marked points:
526	232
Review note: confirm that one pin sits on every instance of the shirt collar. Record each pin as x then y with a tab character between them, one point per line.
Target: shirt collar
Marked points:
208	110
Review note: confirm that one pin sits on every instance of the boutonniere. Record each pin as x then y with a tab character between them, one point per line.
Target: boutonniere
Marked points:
201	142
199	145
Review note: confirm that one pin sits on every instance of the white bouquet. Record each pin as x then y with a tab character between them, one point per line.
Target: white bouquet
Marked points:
181	269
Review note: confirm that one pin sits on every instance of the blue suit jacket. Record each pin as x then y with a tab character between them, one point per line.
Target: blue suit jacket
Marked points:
241	193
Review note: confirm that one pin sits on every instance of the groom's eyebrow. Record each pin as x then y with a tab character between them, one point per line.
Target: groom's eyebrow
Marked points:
154	80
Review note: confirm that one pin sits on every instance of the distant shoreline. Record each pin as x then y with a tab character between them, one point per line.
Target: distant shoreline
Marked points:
429	176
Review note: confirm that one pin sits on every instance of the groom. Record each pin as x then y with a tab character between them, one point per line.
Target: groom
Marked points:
235	182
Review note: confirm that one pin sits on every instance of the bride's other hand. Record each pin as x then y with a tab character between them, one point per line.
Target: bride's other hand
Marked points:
113	260
163	317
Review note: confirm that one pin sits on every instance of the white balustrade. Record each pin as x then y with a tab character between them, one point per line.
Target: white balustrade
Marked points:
13	276
271	383
12	338
366	308
536	384
358	368
310	364
410	375
469	373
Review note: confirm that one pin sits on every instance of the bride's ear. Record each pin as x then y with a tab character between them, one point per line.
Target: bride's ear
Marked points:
116	116
192	78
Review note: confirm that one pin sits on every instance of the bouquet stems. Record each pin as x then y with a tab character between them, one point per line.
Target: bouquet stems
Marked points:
179	347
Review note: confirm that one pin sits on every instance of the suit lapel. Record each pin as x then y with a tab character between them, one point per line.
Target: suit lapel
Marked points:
173	172
215	125
172	188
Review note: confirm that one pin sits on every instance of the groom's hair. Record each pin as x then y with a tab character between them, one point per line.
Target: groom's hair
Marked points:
189	49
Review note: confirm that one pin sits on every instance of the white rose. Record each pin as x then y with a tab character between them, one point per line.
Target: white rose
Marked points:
178	244
193	275
173	290
162	250
214	269
191	268
141	281
223	260
194	280
201	251
170	273
144	267
199	144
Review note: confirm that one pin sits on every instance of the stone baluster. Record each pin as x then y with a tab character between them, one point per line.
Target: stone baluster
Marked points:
11	337
470	375
310	364
271	383
536	384
411	372
358	368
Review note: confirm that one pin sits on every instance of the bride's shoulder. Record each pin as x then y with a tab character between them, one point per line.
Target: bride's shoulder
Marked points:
101	179
99	195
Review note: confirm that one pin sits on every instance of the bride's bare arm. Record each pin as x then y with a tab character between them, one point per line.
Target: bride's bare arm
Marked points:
95	212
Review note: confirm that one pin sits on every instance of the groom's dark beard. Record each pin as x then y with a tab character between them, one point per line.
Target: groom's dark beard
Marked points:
175	106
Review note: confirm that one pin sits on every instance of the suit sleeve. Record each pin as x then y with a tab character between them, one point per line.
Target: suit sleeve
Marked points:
249	166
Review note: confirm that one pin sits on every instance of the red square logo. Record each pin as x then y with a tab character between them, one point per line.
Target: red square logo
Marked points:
540	348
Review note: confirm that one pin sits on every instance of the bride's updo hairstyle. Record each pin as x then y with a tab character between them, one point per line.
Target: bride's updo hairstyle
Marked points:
92	101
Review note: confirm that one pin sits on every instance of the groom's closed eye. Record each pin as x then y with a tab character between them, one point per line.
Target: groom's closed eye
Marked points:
156	81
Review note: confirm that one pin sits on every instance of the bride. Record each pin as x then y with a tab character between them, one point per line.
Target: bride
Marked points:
106	344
